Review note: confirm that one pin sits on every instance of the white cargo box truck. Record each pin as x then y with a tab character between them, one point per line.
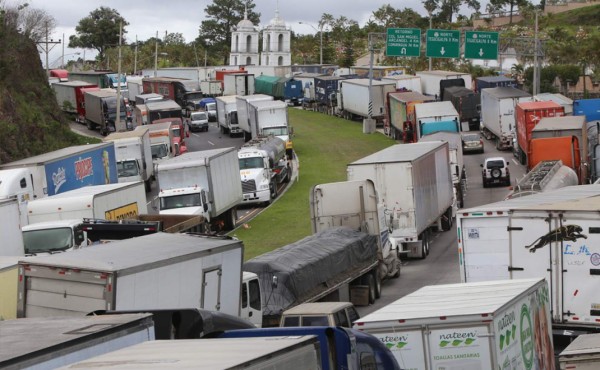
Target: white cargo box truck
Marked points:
238	84
269	118
134	156
434	82
227	117
355	97
52	342
498	105
259	353
205	183
436	116
415	185
107	202
553	234
243	115
155	271
486	325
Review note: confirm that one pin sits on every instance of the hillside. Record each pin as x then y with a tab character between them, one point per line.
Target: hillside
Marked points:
587	16
31	122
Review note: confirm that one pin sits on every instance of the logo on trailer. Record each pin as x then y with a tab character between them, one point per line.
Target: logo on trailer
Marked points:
59	178
84	168
563	233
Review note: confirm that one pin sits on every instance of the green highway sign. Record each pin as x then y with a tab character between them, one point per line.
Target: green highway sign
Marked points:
403	42
443	44
481	45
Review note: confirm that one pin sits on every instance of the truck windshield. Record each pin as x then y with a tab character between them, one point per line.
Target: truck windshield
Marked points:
159	151
180	201
275	131
211	106
248	163
176	131
199	116
47	240
127	169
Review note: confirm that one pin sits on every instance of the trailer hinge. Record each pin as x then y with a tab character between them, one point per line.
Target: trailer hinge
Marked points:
568	313
510	228
510	268
594	271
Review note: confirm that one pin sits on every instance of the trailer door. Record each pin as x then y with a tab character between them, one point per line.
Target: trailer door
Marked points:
485	253
46	291
211	290
581	271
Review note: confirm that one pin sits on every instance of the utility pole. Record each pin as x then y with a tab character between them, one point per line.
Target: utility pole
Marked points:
536	72
135	57
46	46
156	56
119	124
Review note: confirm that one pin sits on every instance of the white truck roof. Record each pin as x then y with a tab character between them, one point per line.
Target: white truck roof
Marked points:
138	132
452	302
365	82
192	159
209	354
268	104
433	109
400	153
505	92
131	255
579	197
560	123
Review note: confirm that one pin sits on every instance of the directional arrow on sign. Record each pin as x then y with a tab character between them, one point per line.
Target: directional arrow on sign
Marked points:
480	52
442	51
403	51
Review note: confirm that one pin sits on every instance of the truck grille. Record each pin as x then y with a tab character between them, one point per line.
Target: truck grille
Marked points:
248	186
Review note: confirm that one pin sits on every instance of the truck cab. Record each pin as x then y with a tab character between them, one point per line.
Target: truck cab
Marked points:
17	183
53	236
320	314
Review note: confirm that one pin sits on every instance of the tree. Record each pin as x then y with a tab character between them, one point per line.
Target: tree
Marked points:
222	16
500	4
33	23
447	8
99	30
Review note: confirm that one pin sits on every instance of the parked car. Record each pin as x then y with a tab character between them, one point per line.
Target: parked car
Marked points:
472	143
495	171
320	314
198	121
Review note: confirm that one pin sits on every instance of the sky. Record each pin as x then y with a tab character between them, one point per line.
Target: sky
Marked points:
147	17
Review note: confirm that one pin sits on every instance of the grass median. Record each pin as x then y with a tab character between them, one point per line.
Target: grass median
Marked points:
324	146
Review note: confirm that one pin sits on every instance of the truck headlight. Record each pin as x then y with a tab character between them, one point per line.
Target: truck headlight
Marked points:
263	187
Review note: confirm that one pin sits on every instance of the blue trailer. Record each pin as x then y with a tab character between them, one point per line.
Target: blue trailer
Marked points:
326	89
281	88
69	168
493	81
590	108
341	348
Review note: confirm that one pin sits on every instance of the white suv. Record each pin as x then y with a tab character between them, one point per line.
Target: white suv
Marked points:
495	171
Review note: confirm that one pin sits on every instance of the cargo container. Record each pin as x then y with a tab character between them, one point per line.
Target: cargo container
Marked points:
68	168
308	86
238	84
552	234
134	155
400	114
280	88
405	82
560	99
468	104
184	92
101	78
436	116
498	106
434	82
590	108
485	325
563	138
211	88
154	271
243	115
415	184
227	116
70	97
527	116
101	110
354	98
582	354
326	92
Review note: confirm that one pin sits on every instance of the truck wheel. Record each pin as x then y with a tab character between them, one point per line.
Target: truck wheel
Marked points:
231	217
205	228
424	245
447	219
89	124
371	284
147	186
397	274
377	284
274	192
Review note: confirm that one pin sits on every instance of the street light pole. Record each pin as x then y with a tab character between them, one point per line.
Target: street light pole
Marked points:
320	31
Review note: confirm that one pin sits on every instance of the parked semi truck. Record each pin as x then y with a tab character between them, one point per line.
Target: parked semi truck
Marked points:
332	265
243	112
415	184
492	325
270	118
527	116
102	78
101	111
356	204
227	116
590	108
486	82
400	114
55	222
285	89
186	93
468	104
457	166
155	271
354	98
133	155
563	138
436	116
498	105
435	82
70	96
263	167
545	176
552	234
326	93
62	170
205	183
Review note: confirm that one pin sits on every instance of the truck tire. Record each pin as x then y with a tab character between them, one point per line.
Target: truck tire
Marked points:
377	284
230	220
205	227
90	125
274	192
148	186
397	274
447	220
371	284
424	245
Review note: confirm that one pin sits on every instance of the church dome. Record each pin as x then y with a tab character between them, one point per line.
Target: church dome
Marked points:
245	25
